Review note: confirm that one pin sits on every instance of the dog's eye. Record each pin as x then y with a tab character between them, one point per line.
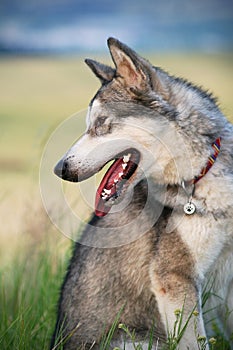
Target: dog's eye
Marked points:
102	126
100	121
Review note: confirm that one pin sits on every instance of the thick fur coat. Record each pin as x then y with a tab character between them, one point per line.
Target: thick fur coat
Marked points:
148	258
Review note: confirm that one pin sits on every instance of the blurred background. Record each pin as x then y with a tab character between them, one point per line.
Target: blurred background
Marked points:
74	26
43	81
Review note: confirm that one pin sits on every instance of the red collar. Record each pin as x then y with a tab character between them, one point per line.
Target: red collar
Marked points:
216	145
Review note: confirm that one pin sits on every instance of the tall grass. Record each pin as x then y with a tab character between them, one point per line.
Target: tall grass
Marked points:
29	289
217	342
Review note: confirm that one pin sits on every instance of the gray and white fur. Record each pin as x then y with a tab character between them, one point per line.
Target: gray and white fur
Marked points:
168	258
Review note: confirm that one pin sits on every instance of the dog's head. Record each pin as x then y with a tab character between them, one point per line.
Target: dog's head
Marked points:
134	120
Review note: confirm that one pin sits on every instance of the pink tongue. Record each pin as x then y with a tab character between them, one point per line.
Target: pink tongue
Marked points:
101	209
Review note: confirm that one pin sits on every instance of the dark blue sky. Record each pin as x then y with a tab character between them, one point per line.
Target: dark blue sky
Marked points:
84	25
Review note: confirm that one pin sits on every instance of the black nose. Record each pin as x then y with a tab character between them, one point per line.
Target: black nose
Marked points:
61	169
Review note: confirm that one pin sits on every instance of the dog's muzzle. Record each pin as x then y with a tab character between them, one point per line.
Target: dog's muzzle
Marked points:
70	171
62	171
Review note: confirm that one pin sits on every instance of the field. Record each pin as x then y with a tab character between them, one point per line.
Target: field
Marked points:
36	95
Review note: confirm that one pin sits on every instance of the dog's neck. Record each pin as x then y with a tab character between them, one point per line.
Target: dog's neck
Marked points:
181	195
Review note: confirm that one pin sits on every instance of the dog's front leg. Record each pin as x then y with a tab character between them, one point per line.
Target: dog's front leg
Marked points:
177	293
180	311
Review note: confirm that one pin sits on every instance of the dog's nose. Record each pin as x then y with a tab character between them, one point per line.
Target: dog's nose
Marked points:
61	169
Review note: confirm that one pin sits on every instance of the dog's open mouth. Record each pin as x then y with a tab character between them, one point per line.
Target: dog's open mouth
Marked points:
115	181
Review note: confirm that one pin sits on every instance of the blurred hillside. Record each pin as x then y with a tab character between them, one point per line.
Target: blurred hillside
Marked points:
47	26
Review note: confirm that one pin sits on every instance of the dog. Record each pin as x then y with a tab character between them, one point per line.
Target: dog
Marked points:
162	233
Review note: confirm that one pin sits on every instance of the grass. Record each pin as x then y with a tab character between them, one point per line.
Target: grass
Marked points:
36	94
29	292
173	339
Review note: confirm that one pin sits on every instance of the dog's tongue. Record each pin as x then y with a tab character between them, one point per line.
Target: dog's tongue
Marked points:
113	181
107	188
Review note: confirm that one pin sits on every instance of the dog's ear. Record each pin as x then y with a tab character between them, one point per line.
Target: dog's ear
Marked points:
135	71
128	64
103	72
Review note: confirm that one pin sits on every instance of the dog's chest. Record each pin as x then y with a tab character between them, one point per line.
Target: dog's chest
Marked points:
204	237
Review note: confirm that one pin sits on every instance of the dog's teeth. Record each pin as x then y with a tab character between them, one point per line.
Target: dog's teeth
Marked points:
107	191
121	174
104	195
124	166
116	181
126	158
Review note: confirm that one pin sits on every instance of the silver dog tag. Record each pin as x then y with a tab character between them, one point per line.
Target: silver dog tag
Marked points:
189	208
